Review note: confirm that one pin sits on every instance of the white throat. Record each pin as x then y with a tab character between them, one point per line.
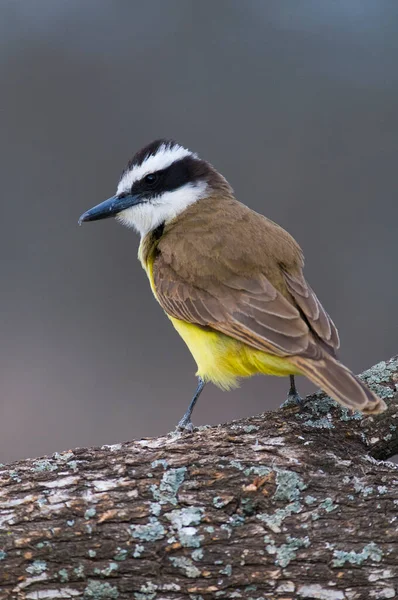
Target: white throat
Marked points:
149	215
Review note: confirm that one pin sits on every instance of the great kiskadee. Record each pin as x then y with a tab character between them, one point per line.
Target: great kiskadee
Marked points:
230	280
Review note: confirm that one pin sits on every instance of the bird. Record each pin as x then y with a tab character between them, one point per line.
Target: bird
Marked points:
229	279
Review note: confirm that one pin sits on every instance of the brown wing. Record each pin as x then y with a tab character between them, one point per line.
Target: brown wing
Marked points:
319	320
250	310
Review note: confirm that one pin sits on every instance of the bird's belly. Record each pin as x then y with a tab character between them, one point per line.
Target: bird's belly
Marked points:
222	359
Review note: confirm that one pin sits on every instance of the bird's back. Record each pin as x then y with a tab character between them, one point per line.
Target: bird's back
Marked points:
221	238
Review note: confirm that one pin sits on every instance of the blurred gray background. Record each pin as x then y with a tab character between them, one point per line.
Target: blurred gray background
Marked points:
294	102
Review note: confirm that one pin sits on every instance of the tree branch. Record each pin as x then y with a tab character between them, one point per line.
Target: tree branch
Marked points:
289	504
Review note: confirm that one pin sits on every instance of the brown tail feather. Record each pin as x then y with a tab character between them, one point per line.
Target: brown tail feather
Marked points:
342	385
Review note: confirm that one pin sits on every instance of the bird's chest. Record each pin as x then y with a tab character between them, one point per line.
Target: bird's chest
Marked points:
146	255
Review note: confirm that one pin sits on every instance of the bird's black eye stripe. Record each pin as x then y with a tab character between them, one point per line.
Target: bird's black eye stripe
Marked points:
179	173
148	184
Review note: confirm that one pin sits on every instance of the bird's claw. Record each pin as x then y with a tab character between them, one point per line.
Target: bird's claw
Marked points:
185	426
292	400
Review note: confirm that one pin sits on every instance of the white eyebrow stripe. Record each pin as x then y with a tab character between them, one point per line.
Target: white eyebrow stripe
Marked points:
163	158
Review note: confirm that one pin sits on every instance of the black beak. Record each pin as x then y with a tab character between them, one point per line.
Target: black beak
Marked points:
110	208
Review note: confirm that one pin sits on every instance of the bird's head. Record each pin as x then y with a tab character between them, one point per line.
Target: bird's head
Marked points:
158	184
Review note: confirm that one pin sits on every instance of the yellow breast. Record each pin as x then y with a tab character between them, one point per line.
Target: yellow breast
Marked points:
222	359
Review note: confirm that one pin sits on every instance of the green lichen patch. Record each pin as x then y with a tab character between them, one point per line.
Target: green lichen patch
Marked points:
248	505
155	508
189	538
168	488
259	470
138	550
148	591
160	463
182	521
322	423
227	529
186	565
41	466
96	590
14	475
197	554
171	587
3	555
362	488
121	554
275	520
380	373
321	404
369	552
90	513
79	571
289	484
227	570
236	520
236	464
183	517
383	391
327	505
107	571
63	575
287	552
41	545
309	500
63	456
250	428
150	532
37	567
350	415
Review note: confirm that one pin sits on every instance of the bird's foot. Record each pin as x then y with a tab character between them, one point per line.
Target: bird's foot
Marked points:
185	425
293	400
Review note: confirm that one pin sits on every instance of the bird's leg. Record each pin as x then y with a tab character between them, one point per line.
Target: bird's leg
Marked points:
186	424
293	396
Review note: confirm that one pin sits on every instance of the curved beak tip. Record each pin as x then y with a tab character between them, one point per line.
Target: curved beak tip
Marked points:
81	219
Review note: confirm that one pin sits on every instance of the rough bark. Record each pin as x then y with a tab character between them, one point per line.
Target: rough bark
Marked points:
290	504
